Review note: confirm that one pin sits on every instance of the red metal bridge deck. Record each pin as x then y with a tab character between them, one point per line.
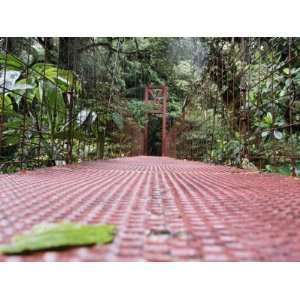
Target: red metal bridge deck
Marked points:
165	210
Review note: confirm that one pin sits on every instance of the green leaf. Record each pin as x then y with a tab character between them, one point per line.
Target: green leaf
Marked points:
286	71
49	236
7	103
11	62
65	79
288	82
53	96
22	86
118	120
268	119
269	168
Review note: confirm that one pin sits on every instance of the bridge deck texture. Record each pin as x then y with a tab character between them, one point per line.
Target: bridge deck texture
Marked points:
164	209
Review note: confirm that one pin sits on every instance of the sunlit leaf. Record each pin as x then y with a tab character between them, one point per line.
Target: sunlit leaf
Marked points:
86	115
265	133
286	71
268	118
8	78
278	134
22	86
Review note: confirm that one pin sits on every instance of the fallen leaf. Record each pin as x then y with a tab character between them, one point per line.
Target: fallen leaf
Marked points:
51	236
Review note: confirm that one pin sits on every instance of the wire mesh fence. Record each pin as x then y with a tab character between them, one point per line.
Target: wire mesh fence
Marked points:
62	100
36	95
250	106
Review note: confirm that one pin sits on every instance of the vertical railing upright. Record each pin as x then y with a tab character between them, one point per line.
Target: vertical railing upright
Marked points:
164	151
3	99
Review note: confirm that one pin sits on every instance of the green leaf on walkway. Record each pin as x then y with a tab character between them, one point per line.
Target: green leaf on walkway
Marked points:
52	236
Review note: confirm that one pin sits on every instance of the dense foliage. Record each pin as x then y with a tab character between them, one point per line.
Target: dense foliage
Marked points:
233	101
247	104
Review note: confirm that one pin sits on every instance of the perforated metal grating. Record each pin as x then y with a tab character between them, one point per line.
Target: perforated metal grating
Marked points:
165	210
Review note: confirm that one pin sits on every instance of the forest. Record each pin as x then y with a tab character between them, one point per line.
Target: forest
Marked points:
233	101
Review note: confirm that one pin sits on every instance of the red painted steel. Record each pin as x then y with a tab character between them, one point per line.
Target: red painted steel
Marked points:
165	210
164	121
146	100
158	95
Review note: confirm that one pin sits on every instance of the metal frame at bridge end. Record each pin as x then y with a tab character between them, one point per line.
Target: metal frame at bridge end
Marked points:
158	95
